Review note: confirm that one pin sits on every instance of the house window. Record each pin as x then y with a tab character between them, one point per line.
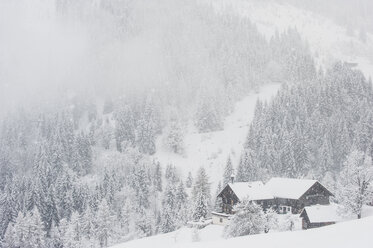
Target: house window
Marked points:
284	209
221	220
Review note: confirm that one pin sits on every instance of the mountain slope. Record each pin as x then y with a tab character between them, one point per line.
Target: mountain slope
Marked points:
327	40
328	43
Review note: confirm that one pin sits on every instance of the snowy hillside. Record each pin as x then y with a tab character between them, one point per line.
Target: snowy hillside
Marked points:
328	43
327	40
355	233
212	149
123	121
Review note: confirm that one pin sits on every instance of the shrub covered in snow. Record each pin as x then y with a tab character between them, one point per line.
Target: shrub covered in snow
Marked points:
249	219
354	186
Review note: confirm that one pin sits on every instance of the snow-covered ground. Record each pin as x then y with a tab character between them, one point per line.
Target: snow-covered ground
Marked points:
355	233
327	40
180	237
211	150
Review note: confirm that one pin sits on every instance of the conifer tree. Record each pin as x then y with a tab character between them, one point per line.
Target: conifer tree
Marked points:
147	128
169	209
189	180
16	231
174	135
181	207
201	195
72	236
8	209
35	235
158	177
104	224
218	200
88	222
228	171
124	127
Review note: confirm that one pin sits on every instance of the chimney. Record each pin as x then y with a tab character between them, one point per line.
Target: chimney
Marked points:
232	178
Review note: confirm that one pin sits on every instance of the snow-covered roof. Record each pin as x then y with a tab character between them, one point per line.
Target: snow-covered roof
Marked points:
322	213
251	190
289	188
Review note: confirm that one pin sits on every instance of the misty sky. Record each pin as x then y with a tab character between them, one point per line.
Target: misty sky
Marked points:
49	52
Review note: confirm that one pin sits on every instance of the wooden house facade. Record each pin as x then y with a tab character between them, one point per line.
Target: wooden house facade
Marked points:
236	192
292	195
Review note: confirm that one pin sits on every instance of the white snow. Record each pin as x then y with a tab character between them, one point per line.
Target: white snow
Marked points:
251	190
174	239
211	150
323	213
289	187
356	233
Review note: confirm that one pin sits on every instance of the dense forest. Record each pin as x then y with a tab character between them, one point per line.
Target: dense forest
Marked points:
309	128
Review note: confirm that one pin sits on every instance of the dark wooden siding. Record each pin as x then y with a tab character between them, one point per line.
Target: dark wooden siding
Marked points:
229	199
307	224
317	194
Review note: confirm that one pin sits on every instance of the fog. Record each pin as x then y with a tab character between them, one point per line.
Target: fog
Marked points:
51	50
124	119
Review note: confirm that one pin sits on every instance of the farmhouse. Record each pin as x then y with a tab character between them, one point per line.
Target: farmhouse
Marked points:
319	215
285	195
292	195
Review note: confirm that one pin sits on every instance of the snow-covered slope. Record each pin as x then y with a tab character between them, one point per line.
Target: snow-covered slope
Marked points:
180	237
211	150
356	233
328	43
327	40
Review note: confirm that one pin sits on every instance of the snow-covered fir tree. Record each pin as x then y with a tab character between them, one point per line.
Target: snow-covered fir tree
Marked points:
201	195
174	134
189	180
169	209
124	127
228	171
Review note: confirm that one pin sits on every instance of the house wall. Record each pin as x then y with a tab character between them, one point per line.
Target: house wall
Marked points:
220	220
266	204
317	194
229	199
307	225
296	205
